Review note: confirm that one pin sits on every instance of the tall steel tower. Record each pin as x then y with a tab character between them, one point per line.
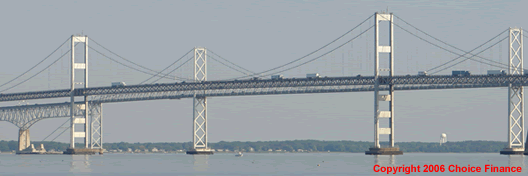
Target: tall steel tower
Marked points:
79	66
383	114
516	144
200	105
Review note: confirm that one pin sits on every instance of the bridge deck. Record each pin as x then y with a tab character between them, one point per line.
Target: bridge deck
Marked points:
277	86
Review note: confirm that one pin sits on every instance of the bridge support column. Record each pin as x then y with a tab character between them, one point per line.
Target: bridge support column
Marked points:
516	143
199	139
23	139
378	114
96	127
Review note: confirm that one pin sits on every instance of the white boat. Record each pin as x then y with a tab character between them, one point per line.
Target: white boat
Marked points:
239	154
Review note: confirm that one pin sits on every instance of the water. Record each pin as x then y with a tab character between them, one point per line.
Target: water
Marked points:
249	164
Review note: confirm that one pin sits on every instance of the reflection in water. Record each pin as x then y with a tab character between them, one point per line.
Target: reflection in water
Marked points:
392	159
80	163
201	162
516	160
384	160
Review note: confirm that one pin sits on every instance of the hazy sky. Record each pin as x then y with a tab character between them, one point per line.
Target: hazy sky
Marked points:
260	35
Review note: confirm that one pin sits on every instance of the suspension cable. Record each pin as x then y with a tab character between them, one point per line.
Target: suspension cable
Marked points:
443	41
318	56
60	134
473	56
124	57
464	55
309	54
174	70
37	72
455	52
249	71
168	67
227	65
36	64
55	130
163	75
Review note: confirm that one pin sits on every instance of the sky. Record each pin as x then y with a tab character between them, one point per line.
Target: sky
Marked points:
260	35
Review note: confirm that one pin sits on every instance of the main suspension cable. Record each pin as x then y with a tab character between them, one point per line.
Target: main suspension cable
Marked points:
174	70
168	67
124	57
55	130
227	65
318	56
36	64
474	56
442	41
309	54
37	72
249	71
163	75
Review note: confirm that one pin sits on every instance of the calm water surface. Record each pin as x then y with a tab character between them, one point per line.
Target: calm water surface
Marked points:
249	164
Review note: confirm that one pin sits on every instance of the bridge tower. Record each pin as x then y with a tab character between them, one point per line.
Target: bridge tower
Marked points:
75	121
379	114
516	143
199	134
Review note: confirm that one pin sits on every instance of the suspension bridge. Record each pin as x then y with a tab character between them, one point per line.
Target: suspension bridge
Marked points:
85	108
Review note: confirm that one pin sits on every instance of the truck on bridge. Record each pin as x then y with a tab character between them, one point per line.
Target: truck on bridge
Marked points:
461	73
277	76
313	75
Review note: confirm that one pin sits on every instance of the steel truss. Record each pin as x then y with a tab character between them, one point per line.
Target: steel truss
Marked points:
200	102
516	92
25	116
96	126
400	83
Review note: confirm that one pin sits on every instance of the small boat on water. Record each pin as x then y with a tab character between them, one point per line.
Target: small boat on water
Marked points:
239	154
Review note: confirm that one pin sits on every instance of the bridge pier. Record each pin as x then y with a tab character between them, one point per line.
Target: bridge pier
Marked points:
377	149
516	143
23	139
199	139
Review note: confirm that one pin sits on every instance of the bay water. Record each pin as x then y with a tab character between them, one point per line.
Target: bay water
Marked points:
249	164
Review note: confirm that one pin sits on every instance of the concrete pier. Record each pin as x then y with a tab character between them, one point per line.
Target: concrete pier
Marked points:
200	152
23	139
384	151
512	151
83	151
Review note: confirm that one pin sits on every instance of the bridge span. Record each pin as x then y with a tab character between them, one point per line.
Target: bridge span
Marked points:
88	112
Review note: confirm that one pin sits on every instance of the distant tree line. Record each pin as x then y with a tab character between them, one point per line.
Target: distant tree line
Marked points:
289	146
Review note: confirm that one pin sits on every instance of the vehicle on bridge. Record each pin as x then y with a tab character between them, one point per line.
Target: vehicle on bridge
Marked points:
422	73
461	73
254	78
497	72
313	75
118	84
277	76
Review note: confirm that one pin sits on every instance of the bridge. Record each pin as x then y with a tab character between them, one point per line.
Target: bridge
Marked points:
87	112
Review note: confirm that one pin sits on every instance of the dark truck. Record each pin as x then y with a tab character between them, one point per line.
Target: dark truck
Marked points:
461	73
